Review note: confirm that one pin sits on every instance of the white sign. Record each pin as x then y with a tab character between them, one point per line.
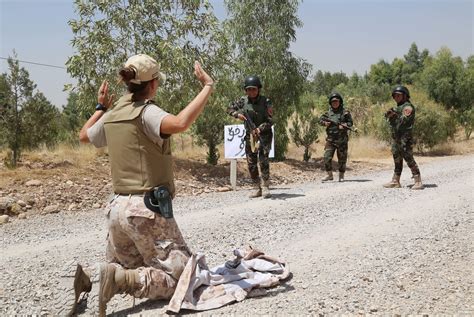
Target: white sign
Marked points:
234	143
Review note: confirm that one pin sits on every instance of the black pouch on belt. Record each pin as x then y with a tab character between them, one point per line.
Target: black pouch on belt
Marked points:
158	200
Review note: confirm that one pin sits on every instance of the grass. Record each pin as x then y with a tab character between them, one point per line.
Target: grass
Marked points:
363	148
452	148
79	156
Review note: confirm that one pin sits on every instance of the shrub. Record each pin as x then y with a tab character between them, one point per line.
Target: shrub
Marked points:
433	124
305	131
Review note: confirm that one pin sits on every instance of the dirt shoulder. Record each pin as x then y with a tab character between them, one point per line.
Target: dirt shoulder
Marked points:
48	184
353	248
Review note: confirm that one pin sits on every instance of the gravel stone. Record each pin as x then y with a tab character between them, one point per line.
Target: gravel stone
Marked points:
352	247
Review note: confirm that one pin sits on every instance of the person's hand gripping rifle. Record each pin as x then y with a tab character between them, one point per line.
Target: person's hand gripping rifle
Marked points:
254	133
341	125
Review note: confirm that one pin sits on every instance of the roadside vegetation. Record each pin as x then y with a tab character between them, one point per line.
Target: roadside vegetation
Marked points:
441	84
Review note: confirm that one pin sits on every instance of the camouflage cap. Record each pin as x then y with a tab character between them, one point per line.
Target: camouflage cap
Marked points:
146	68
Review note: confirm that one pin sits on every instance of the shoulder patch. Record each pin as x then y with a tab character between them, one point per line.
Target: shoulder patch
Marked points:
407	111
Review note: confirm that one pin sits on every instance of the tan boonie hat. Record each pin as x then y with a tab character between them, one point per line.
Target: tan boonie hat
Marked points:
146	69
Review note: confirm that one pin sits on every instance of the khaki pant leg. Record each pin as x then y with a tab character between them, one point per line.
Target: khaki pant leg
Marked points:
160	243
120	247
155	284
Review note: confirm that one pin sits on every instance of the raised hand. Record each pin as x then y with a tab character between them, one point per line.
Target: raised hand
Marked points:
201	75
103	95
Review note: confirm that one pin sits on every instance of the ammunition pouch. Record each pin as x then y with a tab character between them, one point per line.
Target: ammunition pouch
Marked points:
158	200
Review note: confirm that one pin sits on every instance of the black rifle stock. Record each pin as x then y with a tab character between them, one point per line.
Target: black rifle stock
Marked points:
254	137
249	125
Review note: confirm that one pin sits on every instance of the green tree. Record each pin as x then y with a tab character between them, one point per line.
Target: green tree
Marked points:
209	127
381	73
441	77
71	113
17	91
354	81
414	61
41	121
4	108
465	85
433	126
401	72
466	119
71	119
465	91
325	83
27	120
305	129
175	32
361	87
413	58
261	33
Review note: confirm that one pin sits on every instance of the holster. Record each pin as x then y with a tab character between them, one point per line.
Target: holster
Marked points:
158	200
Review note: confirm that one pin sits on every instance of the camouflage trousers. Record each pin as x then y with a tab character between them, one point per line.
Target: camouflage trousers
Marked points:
142	240
259	157
341	151
402	149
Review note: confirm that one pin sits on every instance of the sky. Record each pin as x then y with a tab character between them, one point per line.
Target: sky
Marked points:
337	35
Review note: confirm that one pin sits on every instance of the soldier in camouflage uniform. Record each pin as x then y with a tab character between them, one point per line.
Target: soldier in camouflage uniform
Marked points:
337	135
256	111
402	119
146	252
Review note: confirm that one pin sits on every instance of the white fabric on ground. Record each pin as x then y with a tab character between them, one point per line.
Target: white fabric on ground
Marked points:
200	288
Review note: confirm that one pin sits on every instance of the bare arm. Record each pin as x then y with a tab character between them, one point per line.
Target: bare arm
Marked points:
104	99
172	124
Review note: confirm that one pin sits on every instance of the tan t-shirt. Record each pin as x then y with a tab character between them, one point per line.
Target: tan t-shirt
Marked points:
151	118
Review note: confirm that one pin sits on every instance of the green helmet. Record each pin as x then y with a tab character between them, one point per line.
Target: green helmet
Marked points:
335	95
401	89
252	81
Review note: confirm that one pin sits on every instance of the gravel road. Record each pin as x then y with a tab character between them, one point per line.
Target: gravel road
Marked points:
352	247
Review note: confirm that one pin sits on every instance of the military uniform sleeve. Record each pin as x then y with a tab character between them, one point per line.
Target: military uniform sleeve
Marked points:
321	119
267	125
96	133
152	117
348	119
405	119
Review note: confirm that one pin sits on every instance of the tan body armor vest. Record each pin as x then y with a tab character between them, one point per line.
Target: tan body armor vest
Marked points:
137	163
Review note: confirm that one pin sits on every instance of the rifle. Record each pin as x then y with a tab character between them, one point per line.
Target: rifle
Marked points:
345	126
255	139
391	113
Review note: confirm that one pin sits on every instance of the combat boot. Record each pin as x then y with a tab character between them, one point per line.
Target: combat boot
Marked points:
265	189
115	280
329	177
257	192
72	283
341	176
395	183
418	184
